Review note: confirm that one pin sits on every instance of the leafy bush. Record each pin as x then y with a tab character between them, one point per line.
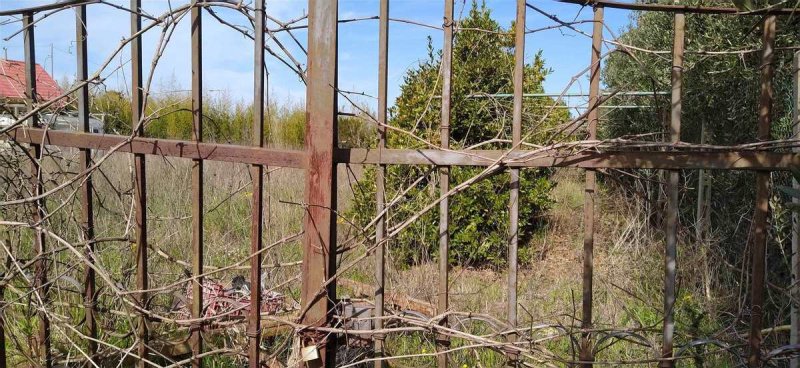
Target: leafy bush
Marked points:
482	64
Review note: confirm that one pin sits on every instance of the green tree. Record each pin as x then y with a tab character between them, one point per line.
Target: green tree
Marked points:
483	63
721	95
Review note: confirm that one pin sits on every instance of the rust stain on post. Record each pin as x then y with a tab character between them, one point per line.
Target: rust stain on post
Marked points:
380	178
40	284
587	350
762	194
671	220
257	205
319	244
196	338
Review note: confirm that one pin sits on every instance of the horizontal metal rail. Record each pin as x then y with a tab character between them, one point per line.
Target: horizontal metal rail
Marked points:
161	147
729	160
680	8
714	160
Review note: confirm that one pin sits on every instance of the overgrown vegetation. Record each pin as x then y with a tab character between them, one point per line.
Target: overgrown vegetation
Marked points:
482	67
720	103
225	120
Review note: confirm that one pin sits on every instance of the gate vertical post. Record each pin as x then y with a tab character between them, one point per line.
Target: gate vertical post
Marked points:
196	338
590	194
795	292
760	216
671	219
442	341
516	138
140	182
380	178
40	283
318	293
257	206
87	206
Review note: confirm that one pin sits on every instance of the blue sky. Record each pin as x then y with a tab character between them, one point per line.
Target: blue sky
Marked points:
227	55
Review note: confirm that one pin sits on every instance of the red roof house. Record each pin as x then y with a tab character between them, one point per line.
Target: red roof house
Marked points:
12	83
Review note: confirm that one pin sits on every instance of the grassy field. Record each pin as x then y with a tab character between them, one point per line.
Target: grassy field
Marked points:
627	264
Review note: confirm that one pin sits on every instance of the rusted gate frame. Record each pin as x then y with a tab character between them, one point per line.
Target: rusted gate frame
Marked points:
443	295
318	292
257	206
87	190
196	328
322	156
672	189
513	196
140	183
41	285
380	178
761	214
590	194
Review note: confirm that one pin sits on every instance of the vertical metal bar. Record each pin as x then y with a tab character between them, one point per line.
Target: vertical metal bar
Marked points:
516	138
36	180
257	206
87	206
671	219
794	337
140	182
443	342
380	177
590	193
196	338
760	216
319	247
3	305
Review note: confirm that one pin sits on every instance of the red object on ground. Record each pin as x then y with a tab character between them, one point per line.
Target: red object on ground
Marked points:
222	302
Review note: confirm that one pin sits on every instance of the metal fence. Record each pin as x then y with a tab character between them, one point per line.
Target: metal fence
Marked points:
321	157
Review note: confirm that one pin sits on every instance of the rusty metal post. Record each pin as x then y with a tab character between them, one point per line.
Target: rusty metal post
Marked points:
794	337
671	219
87	206
319	244
760	216
196	337
590	193
442	341
516	138
257	206
40	283
140	182
380	178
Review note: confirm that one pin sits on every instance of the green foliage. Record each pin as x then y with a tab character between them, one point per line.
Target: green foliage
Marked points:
720	93
482	64
170	116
